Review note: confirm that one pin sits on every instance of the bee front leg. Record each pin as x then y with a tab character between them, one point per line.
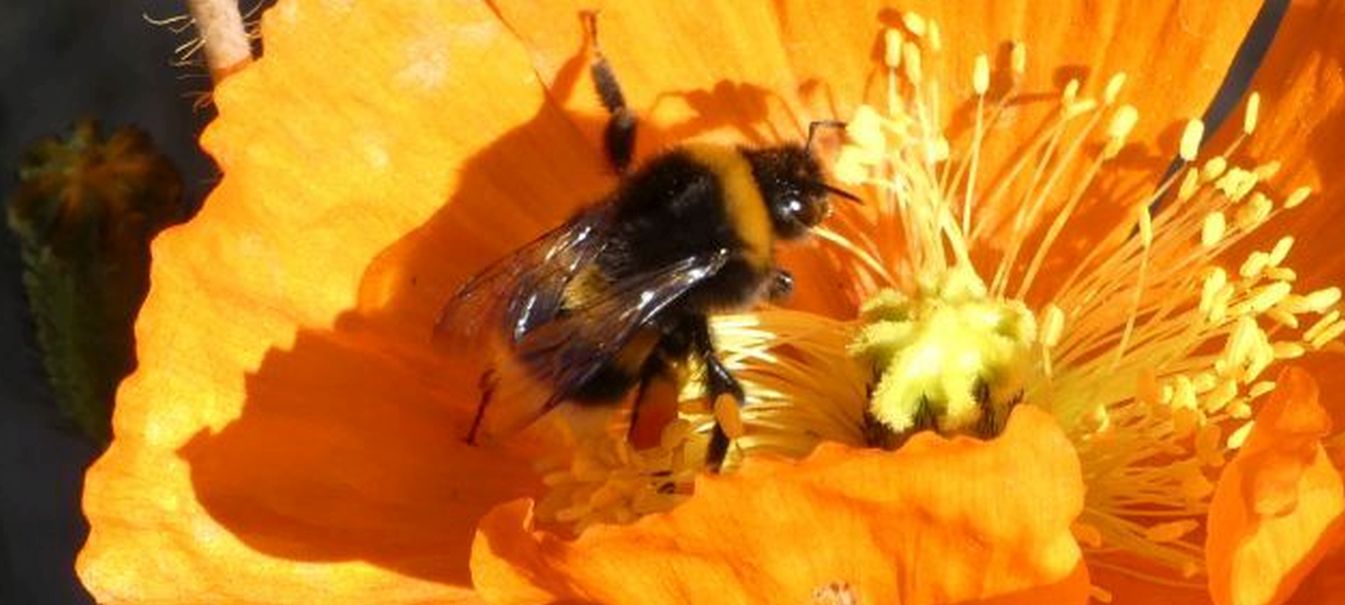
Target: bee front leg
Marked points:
780	286
619	136
718	383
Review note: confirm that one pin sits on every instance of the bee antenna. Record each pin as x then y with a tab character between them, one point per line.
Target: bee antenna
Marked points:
814	125
836	191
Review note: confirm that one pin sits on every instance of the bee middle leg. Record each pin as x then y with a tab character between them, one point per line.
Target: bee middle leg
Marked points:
780	286
657	372
487	387
619	135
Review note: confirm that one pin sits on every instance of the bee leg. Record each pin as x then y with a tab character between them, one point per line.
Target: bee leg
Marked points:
718	381
654	370
635	410
487	386
619	135
781	285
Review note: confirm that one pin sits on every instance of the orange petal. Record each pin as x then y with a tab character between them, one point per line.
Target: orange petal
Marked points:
288	436
1325	585
1278	506
1302	125
940	521
686	69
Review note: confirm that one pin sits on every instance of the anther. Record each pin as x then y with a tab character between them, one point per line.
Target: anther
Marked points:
915	23
1212	232
1071	91
1146	226
911	58
1239	436
1321	300
1018	58
1123	121
1250	115
1191	138
1190	184
1297	197
1281	250
1213	168
892	43
1114	87
980	75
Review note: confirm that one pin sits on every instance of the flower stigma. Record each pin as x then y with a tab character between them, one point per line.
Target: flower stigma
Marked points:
948	358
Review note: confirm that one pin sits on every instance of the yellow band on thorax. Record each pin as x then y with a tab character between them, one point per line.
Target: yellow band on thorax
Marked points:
743	203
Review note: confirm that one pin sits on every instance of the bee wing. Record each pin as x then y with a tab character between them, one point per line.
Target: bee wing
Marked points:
569	350
555	358
523	289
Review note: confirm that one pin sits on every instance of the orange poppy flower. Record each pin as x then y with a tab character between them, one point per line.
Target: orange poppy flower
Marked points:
291	436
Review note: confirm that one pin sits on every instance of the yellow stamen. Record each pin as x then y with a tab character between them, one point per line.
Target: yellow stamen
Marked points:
1114	87
1169	532
892	43
1239	436
980	76
1213	168
1191	137
1250	114
1214	229
914	23
910	55
1297	197
1320	300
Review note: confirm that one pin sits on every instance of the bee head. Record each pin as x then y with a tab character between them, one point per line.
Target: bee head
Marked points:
793	186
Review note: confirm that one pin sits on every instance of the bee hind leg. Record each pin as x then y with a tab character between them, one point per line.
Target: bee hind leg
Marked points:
780	286
718	383
619	135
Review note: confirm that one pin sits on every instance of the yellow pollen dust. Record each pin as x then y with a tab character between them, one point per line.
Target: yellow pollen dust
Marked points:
607	480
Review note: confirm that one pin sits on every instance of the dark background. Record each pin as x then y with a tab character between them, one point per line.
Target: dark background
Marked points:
61	60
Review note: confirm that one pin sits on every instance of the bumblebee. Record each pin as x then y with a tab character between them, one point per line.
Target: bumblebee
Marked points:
619	295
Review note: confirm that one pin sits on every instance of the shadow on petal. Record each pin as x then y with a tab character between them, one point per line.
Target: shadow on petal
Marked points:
342	453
